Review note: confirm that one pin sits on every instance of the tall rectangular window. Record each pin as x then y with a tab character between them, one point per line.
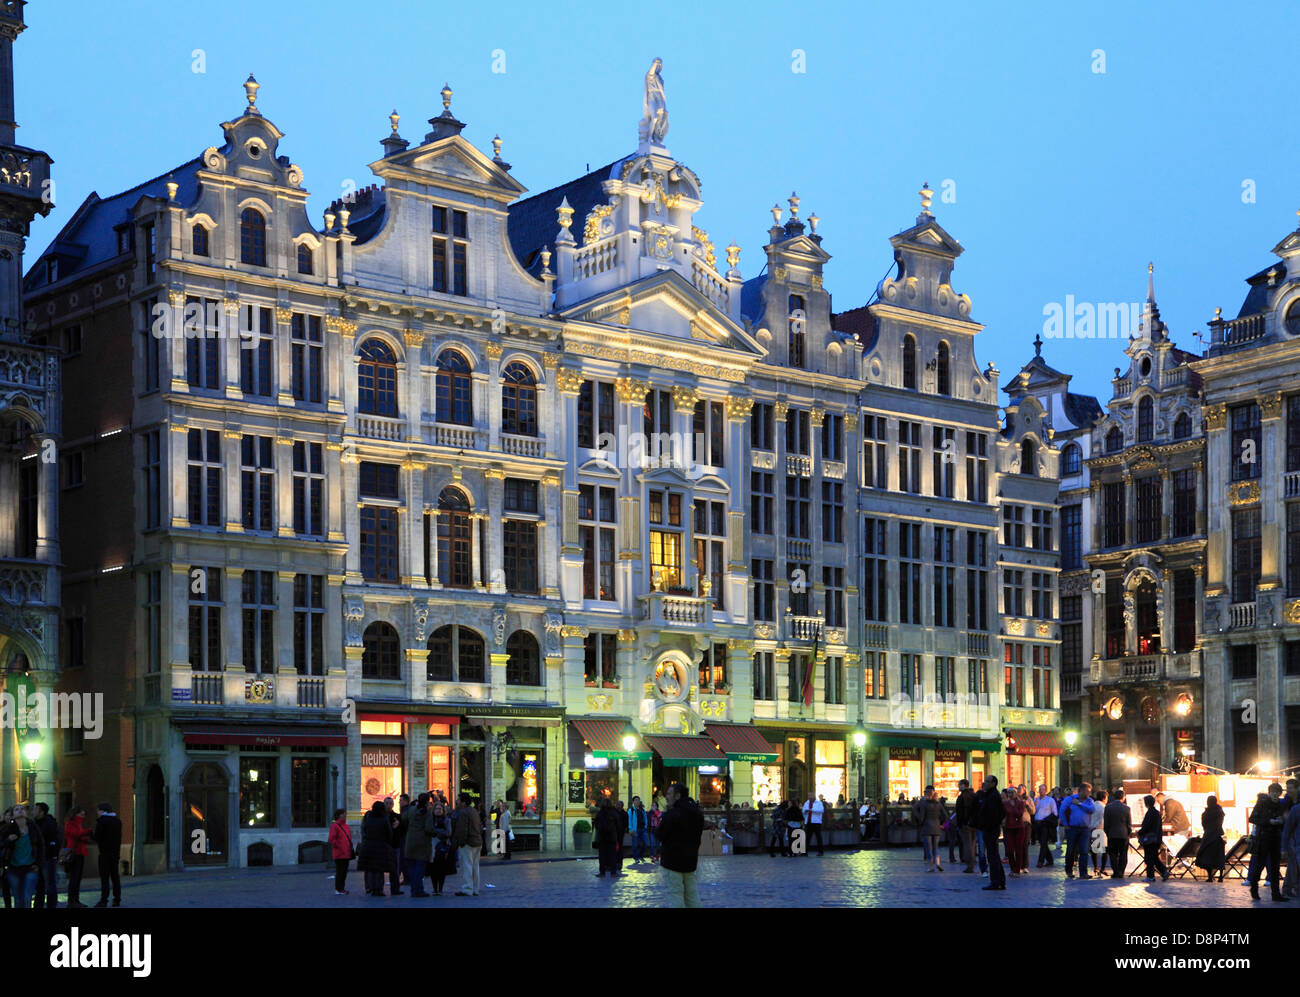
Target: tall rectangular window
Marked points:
1245	454
454	250
834	681
1040	535
832	437
977	467
763	571
657	420
1014	674
256	483
307	358
308	489
1071	634
909	572
945	461
151	477
945	675
873	674
600	657
1013	592
153	621
596	525
798	507
1292	550
150	348
255	359
596	412
1040	595
833	589
1042	665
379	543
875	591
945	576
909	456
875	452
798	432
800	594
764	676
977	580
205	619
797	672
1114	514
1244	665
710	539
1184	523
762	500
1293	433
205	476
1114	618
1071	537
309	624
203	322
977	677
709	426
762	427
258	604
1184	610
911	675
833	511
1149	508
1245	554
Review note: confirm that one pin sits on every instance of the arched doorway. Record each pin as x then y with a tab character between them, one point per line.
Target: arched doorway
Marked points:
205	826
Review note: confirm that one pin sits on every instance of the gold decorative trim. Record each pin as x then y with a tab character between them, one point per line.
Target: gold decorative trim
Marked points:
1216	416
817	417
684	397
283	315
1016	627
568	381
630	390
1270	406
626	636
738	409
781	410
1243	493
1291	611
493	351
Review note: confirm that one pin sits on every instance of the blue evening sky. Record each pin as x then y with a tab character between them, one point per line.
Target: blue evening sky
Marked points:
1066	181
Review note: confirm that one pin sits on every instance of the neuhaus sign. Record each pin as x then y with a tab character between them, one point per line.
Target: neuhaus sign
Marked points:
381	757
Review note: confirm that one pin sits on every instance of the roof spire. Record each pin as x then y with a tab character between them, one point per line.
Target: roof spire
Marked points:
926	195
444	124
251	86
1151	282
394	143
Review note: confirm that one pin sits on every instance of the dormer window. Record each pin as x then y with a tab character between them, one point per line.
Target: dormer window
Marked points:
1071	461
1114	440
1146	418
798	325
199	239
52	270
943	383
1293	318
1027	463
252	238
305	258
450	251
909	362
1182	426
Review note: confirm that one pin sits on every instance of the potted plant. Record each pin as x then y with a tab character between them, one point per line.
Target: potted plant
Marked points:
582	836
610	685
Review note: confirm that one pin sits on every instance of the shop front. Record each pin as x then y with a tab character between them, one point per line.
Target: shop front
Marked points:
519	743
912	763
1033	756
809	760
694	761
597	750
749	756
413	751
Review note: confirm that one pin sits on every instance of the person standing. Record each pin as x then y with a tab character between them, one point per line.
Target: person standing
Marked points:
1211	856
1076	815
375	855
931	816
108	836
623	824
1096	834
443	857
23	848
1117	822
814	812
652	828
1291	848
965	817
47	882
606	824
1266	849
403	815
776	834
504	821
1045	825
1014	830
990	813
467	838
417	849
75	836
680	832
793	823
636	823
341	849
1150	836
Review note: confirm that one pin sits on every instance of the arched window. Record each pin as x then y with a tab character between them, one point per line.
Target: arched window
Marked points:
305	258
942	381
252	238
456	654
1027	461
1182	426
454	539
376	379
1071	461
452	389
798	326
1114	440
909	362
518	401
524	664
199	240
381	654
1146	419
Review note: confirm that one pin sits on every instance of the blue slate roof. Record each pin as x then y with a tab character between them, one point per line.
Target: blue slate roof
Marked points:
1257	296
531	224
1082	410
89	237
751	300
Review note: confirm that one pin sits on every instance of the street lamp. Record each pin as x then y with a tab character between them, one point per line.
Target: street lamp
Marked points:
860	748
32	752
1071	736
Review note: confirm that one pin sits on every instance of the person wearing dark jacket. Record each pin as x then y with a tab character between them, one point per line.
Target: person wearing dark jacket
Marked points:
777	837
623	825
1150	836
47	888
1210	856
989	815
22	849
1266	849
965	817
607	827
417	848
680	831
403	815
1173	813
444	859
394	844
1117	823
108	836
375	853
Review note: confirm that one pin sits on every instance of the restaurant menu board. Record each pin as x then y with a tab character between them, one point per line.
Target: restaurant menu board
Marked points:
577	787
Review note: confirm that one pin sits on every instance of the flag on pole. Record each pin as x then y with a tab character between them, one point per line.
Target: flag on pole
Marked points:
809	670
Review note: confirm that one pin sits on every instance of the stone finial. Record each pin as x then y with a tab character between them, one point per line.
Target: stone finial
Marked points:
546	260
733	255
251	86
496	148
446	99
172	188
329	221
393	119
776	213
1038	346
564	215
793	201
926	195
1272	277
812	222
344	215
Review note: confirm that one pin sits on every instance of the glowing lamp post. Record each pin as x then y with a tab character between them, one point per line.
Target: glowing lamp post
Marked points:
860	749
1071	736
31	752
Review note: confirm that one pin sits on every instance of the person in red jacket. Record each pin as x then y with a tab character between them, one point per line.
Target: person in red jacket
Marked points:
75	836
341	848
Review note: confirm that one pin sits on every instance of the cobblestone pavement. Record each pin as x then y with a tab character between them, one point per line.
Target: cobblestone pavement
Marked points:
880	878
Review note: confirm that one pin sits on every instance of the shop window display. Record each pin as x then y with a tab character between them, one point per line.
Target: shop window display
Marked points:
257	799
381	773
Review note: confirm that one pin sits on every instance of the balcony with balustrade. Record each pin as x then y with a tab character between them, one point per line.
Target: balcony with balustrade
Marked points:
667	609
1145	669
236	688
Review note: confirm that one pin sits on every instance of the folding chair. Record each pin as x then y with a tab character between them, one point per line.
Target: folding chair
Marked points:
1237	861
1135	849
1183	863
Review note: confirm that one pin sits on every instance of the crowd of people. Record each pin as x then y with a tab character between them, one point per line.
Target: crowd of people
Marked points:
33	846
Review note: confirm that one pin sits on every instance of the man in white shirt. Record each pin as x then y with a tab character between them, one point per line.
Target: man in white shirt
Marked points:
1044	825
814	810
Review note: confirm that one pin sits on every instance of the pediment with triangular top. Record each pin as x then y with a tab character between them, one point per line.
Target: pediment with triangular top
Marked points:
452	157
929	235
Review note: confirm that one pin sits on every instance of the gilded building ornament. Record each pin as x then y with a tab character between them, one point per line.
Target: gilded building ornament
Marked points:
780	410
764	631
738	409
1044	630
550	361
493	351
706	246
283	315
1270	406
817	417
1291	611
851	422
630	390
596	227
1243	493
1216	416
626	636
1015	627
569	381
779	274
684	397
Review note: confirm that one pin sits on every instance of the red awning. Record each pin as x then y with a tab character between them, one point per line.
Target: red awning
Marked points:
686	749
407	718
268	735
1036	742
742	742
605	739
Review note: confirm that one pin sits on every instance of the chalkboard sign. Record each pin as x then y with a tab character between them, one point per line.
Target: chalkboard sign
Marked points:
577	787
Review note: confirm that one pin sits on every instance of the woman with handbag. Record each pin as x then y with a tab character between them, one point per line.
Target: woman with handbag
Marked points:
444	861
73	856
342	849
1150	836
1211	856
